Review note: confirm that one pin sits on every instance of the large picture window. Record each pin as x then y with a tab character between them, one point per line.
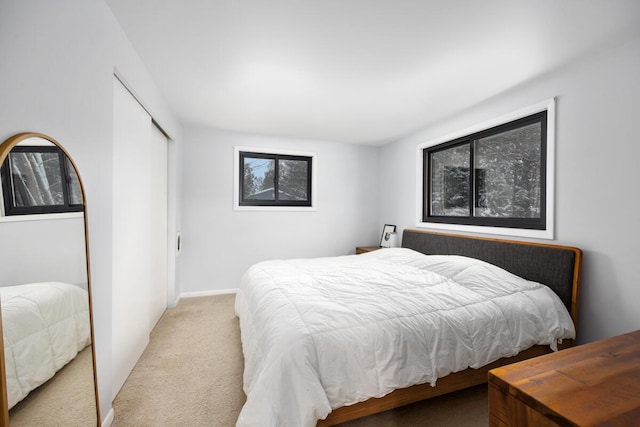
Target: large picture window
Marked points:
492	177
39	180
274	179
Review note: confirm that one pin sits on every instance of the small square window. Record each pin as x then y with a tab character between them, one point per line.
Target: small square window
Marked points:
274	179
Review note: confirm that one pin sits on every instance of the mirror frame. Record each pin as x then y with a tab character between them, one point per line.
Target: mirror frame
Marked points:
5	148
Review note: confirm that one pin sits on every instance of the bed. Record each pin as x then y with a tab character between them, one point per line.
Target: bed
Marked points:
44	326
332	339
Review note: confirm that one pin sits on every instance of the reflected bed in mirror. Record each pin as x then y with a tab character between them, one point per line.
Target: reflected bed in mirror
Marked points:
47	368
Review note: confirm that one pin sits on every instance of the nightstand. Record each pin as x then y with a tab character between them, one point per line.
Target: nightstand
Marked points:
365	249
588	385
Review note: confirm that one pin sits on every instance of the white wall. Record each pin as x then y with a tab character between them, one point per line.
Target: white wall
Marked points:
50	250
596	177
58	60
219	244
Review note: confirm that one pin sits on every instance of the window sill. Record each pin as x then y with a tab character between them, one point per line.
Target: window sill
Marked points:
502	231
275	208
41	217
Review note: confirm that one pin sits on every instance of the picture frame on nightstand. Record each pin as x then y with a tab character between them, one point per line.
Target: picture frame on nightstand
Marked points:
387	234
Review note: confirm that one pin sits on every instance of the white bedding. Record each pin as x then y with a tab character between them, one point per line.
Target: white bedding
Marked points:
323	333
44	326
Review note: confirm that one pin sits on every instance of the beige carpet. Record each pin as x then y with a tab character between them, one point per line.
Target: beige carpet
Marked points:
67	399
191	375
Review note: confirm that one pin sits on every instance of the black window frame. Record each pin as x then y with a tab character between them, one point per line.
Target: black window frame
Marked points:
505	222
7	188
276	157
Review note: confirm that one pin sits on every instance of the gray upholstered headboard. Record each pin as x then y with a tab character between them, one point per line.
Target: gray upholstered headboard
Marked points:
555	266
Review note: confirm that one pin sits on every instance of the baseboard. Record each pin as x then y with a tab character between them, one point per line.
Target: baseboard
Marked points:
108	420
208	293
175	302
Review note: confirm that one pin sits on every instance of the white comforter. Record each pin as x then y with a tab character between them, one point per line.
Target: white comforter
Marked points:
44	326
323	333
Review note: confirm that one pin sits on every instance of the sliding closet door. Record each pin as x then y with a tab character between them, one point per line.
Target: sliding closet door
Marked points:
131	233
158	223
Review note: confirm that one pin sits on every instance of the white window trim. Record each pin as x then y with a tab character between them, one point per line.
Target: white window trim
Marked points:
548	105
41	217
236	179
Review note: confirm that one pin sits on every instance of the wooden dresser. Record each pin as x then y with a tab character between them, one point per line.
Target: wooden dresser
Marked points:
596	384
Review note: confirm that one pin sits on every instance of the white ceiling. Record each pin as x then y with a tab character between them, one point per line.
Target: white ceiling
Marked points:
359	71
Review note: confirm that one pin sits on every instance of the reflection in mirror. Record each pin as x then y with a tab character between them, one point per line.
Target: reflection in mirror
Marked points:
48	363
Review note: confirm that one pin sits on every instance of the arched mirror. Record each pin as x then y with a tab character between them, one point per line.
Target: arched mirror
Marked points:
47	368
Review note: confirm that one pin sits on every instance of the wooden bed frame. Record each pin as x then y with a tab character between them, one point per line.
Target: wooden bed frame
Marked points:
555	266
